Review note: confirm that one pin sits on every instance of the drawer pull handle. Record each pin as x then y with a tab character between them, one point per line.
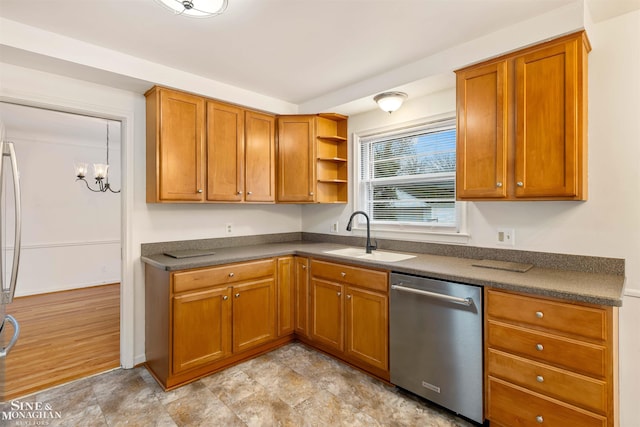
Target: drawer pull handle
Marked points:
238	295
539	347
540	378
539	314
539	419
231	274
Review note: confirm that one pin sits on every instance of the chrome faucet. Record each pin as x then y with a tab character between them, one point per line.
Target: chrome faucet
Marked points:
369	247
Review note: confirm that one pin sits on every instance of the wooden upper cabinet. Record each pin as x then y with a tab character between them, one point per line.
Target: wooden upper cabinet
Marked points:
296	159
549	122
260	157
482	131
225	152
175	146
202	150
312	159
522	121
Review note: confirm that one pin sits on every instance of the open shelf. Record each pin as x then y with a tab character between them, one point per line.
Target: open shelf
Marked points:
331	158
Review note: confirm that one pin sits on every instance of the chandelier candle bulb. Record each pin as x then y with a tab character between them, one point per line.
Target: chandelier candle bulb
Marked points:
81	170
100	170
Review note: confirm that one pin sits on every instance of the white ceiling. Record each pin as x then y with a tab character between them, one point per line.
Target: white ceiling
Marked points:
291	50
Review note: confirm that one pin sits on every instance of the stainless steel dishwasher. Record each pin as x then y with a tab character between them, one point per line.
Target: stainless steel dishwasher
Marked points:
435	337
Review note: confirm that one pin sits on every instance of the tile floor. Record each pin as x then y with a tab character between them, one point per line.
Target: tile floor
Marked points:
291	386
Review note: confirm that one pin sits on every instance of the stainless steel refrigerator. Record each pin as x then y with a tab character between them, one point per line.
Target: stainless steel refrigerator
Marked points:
10	225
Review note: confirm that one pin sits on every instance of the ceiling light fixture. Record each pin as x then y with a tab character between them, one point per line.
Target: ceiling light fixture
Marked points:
390	101
100	172
196	8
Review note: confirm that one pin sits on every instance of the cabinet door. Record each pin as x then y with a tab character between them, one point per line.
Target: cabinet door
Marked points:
546	121
201	328
260	160
225	152
301	296
327	313
367	321
286	280
482	132
296	161
254	319
181	147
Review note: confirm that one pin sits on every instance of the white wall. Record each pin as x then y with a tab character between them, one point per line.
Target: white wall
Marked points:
608	224
71	236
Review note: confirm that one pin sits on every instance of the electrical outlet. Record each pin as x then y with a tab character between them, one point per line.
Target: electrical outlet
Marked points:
228	228
506	236
334	227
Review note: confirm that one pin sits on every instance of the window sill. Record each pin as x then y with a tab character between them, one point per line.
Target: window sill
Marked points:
415	234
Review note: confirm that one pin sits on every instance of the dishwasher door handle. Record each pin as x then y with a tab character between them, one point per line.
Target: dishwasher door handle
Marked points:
457	300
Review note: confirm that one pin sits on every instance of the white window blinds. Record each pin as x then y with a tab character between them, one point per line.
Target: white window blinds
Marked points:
408	177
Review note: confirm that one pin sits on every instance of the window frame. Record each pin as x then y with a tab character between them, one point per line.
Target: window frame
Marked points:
447	234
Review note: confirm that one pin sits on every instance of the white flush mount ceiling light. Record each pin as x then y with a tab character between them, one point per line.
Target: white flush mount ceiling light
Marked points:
196	8
390	101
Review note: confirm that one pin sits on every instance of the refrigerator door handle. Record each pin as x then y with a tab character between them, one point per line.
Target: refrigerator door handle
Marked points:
16	332
8	150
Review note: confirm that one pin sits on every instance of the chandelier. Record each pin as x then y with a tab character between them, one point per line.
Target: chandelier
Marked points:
100	172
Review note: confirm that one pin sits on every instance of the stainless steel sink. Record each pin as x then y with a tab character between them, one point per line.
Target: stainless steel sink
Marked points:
376	255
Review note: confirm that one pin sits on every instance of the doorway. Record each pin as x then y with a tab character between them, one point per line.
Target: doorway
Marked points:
68	292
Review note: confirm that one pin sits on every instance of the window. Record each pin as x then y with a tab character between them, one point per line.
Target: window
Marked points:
406	178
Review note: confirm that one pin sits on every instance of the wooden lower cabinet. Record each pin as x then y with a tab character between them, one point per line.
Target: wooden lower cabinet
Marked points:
286	295
254	320
327	320
549	362
349	315
195	344
301	296
367	326
203	320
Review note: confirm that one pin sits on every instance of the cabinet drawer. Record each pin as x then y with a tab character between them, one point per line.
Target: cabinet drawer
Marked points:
510	405
575	355
588	322
576	389
230	273
362	277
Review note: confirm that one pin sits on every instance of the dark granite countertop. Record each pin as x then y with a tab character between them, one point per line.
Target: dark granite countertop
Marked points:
589	287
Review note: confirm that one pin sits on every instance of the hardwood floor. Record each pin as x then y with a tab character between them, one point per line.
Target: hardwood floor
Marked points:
64	336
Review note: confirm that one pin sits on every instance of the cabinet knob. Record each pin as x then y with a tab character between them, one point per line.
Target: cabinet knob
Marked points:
224	298
498	184
539	347
539	419
520	184
540	378
231	274
539	314
343	274
348	296
339	293
304	267
199	190
311	193
237	295
249	192
240	193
